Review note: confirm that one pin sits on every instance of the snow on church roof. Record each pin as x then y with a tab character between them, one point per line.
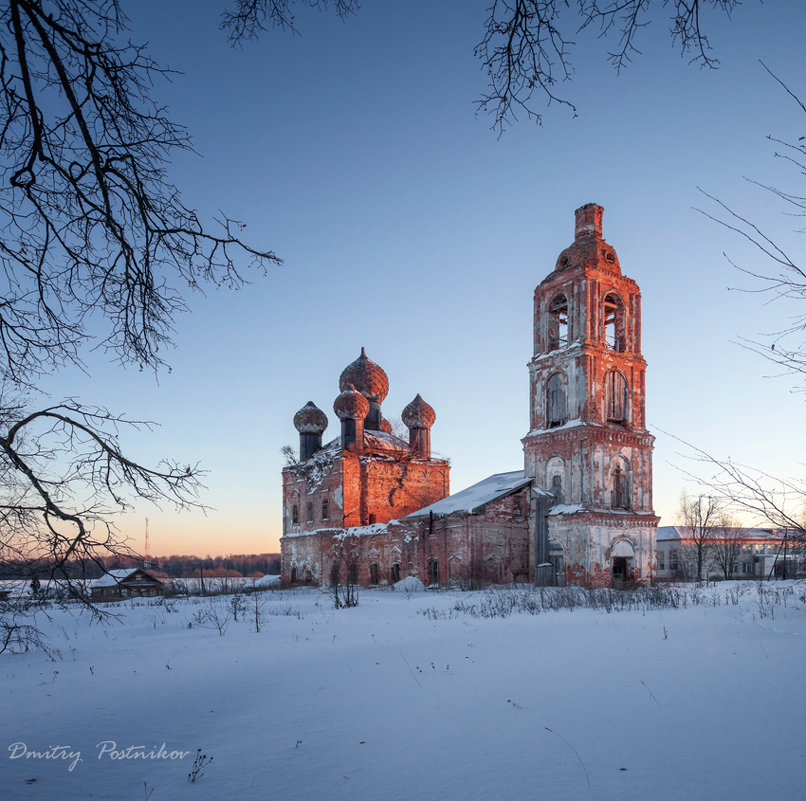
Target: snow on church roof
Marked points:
474	497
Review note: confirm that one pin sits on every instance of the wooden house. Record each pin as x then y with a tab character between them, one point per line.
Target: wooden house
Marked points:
133	582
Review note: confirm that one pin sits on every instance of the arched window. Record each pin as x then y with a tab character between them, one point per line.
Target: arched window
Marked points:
325	509
614	328
555	478
433	571
374	573
616	398
295	514
620	497
394	573
556	405
293	575
310	511
558	322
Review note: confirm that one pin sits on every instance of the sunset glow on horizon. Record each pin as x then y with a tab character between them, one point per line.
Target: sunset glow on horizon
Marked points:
408	228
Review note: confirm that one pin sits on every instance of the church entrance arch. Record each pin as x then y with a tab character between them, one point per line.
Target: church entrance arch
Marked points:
623	560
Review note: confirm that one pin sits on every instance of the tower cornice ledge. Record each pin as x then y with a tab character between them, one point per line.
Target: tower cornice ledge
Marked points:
593	432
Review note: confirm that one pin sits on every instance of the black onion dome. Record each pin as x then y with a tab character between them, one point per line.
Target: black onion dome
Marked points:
310	419
350	404
367	377
418	414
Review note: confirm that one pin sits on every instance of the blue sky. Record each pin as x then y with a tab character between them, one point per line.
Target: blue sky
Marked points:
409	228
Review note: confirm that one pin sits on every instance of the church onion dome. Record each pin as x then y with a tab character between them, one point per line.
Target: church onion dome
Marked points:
310	419
386	425
367	377
350	404
418	414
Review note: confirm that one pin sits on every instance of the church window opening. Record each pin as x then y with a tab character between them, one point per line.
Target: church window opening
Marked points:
433	571
310	511
353	573
293	575
620	494
334	575
394	573
295	514
557	411
616	397
558	322
557	488
614	331
325	509
374	573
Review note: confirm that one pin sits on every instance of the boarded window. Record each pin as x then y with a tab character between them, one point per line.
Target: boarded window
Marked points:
325	509
616	397
614	328
374	573
620	492
556	404
557	488
558	323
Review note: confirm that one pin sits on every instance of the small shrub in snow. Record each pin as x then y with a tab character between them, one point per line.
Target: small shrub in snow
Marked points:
409	584
199	763
237	605
216	614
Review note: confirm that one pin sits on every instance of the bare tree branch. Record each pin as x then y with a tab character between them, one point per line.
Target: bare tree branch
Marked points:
779	276
525	50
249	18
96	248
90	228
769	500
64	479
526	47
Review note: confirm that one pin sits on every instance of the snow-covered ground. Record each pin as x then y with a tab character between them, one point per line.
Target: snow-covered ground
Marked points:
382	701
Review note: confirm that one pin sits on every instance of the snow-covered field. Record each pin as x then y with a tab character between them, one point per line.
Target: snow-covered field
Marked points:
703	701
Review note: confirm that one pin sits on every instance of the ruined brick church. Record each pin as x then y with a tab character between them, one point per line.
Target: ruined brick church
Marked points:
371	508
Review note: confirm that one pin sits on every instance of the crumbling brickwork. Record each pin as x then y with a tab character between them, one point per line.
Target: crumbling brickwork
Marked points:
488	546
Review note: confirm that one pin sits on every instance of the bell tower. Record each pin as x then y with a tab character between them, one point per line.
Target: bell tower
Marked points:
588	443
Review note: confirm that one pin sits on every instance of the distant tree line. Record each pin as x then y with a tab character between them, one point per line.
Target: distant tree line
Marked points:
175	566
